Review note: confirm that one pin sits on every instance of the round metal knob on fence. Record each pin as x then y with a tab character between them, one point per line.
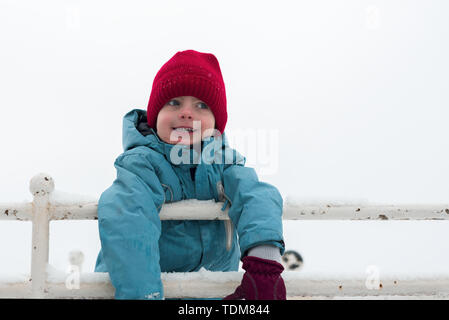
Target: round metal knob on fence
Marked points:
42	184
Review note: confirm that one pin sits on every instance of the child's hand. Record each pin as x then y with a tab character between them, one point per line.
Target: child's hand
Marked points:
261	281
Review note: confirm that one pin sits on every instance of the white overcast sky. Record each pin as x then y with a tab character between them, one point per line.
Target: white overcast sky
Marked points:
356	94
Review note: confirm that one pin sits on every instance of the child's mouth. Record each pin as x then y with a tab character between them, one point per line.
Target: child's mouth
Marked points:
184	129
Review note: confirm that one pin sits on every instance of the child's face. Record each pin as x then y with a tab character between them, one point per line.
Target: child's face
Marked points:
182	112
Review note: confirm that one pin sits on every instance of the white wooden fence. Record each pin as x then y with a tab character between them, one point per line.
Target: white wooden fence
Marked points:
44	282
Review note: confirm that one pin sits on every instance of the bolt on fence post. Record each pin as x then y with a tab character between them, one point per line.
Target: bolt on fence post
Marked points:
41	186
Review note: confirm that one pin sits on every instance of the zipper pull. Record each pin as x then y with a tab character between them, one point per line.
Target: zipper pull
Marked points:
224	206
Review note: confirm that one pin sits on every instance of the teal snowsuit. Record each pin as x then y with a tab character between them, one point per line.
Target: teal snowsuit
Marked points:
136	246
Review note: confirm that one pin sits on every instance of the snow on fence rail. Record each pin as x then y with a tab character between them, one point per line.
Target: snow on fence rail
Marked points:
46	282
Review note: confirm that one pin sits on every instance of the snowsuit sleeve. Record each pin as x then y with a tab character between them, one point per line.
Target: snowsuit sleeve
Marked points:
256	208
129	226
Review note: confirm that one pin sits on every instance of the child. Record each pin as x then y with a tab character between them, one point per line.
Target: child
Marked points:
187	112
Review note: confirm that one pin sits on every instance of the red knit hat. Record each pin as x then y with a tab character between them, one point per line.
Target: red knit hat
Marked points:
190	73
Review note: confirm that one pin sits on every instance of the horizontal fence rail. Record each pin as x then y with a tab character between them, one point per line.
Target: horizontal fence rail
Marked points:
207	284
45	282
210	210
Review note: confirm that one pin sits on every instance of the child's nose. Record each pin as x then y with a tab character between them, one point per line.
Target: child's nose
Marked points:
185	112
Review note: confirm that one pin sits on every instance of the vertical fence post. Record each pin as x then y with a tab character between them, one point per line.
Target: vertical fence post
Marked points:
41	185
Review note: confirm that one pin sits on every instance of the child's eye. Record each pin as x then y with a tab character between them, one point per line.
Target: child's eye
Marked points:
175	102
203	105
